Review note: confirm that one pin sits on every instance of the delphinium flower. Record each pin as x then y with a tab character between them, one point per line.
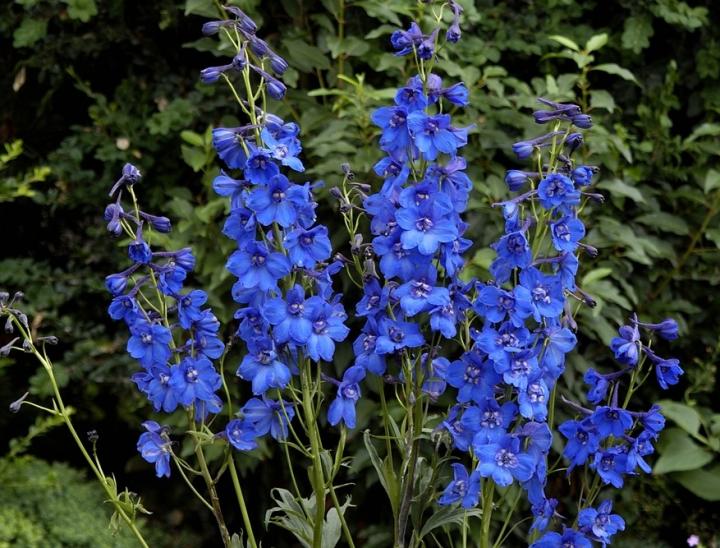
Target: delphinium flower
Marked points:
511	362
290	317
610	439
172	335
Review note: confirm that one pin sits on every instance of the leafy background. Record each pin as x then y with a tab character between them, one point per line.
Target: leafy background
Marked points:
91	84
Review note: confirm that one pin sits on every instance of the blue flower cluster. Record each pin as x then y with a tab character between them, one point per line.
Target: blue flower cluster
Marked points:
288	311
412	294
610	439
506	375
173	335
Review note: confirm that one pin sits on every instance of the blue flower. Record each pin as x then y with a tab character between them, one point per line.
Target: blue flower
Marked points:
473	376
289	317
546	293
412	98
306	248
489	420
155	384
560	341
432	134
462	436
611	421
533	400
189	307
600	523
268	416
503	461
494	304
342	407
667	371
255	266
374	299
395	260
569	539
627	346
262	366
667	329
285	150
149	343
420	293
566	233
610	465
195	380
517	367
276	202
327	328
396	335
241	435
124	308
506	339
512	251
364	349
598	386
154	447
228	144
139	251
240	226
583	441
260	167
557	190
463	487
393	121
425	226
582	176
224	185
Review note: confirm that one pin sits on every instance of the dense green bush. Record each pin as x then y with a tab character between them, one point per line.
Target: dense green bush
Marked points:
91	84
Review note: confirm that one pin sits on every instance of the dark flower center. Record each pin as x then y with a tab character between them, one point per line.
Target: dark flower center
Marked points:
506	459
472	374
424	224
191	375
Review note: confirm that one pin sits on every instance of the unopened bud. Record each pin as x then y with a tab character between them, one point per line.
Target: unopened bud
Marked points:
17	404
5	350
50	339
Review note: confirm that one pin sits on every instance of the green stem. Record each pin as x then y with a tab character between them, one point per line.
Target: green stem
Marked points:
112	495
241	502
214	499
488	489
317	472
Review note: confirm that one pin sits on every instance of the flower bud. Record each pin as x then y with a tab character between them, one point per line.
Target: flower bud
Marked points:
278	64
15	406
116	284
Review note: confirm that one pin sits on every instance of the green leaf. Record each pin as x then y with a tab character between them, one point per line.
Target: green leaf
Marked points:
596	42
194	157
713	234
595	275
206	8
565	42
679	453
600	98
82	10
706	129
637	33
304	57
612	68
712	181
29	32
384	472
684	416
621	188
665	222
703	483
447	515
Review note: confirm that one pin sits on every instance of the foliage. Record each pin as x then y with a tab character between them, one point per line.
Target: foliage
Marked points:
42	505
655	141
